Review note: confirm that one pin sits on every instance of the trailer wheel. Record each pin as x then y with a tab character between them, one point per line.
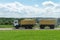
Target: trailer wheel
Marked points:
52	26
42	26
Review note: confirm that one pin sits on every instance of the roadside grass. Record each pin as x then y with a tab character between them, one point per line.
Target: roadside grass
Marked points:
29	34
6	26
58	26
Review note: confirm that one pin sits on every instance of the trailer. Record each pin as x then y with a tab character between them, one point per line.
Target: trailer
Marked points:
47	22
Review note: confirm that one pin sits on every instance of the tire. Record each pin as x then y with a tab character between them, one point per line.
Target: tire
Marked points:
17	27
52	26
26	27
42	26
30	26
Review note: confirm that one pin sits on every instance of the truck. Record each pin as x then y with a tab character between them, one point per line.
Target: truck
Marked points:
26	23
47	22
30	23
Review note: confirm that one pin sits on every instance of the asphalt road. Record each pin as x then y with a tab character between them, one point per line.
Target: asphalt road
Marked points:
27	29
6	29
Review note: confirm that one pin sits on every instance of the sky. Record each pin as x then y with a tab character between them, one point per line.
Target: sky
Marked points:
29	8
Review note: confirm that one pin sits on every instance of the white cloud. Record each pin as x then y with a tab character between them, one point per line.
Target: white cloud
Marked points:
52	9
19	10
49	4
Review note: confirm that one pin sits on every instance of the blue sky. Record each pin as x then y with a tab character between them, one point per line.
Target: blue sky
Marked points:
29	2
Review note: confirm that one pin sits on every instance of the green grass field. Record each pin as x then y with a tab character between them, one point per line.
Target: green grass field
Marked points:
6	26
30	35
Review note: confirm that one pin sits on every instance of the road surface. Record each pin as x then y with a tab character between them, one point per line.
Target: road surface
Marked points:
28	29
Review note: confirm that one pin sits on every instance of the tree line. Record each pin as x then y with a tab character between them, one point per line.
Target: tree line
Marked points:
6	21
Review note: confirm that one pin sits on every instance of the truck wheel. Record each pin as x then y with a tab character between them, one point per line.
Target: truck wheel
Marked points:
26	27
30	27
17	27
42	26
51	26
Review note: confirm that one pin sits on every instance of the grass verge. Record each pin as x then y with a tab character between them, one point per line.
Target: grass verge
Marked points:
30	35
6	26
